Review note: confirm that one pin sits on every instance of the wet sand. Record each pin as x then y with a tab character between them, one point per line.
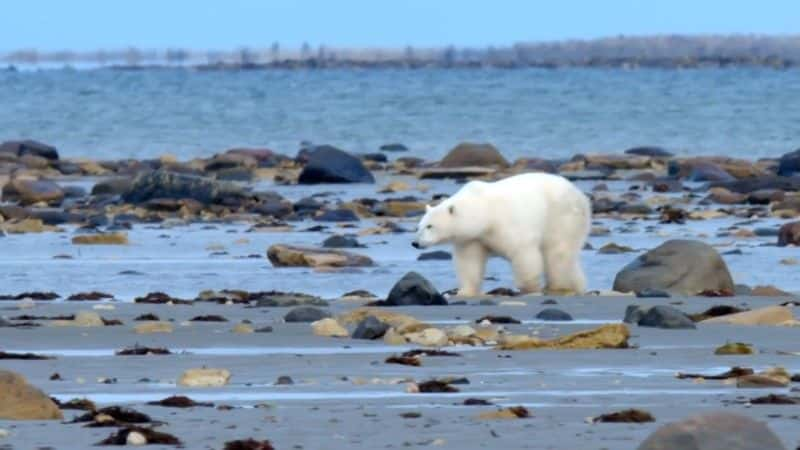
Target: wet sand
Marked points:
345	396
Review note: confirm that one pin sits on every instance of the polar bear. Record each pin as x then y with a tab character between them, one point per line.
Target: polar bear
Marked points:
537	221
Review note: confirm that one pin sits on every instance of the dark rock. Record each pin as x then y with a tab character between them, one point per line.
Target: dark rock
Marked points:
716	311
151	436
337	215
708	171
775	399
138	350
28	191
554	315
653	152
374	157
414	289
162	184
112	186
436	386
307	205
468	154
248	444
306	314
52	216
404	360
663	316
678	266
340	241
208	318
789	234
273	299
745	186
626	416
734	372
370	328
714	431
789	164
436	255
765	196
327	164
284	380
499	320
393	148
29	147
179	401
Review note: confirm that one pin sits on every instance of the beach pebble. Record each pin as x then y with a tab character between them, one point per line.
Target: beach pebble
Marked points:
204	378
135	438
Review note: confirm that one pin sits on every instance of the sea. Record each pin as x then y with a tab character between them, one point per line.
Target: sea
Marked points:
106	113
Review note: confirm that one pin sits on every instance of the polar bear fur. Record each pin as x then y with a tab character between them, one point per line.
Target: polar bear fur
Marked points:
538	222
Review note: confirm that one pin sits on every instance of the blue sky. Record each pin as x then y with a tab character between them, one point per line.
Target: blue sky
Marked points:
202	24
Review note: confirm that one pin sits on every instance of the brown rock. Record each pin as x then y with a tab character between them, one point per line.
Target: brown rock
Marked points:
606	336
101	239
468	154
771	315
204	378
151	327
768	291
514	412
21	401
625	416
713	431
29	191
296	256
789	234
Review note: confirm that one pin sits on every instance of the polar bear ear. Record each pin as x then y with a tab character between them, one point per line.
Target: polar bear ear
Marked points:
452	209
428	208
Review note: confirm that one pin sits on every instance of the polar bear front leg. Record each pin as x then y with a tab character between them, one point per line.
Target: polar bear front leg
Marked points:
470	260
527	267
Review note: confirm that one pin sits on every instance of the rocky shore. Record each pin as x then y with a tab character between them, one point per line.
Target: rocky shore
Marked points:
272	293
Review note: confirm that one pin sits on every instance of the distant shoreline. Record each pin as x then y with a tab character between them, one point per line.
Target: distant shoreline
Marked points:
665	52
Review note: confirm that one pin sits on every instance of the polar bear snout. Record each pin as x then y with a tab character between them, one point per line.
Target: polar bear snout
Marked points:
415	244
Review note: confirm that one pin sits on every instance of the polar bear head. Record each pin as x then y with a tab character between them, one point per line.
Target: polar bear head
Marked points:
453	220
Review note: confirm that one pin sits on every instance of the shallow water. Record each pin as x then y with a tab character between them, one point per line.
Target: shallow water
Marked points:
108	114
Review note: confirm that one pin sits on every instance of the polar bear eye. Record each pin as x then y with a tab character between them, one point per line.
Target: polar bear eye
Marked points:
429	227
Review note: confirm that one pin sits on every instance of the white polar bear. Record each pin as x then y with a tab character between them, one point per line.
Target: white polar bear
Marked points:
537	221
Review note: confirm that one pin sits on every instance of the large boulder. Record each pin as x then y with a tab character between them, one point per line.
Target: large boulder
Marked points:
296	256
327	164
29	147
468	154
789	234
21	401
414	289
713	431
789	164
682	267
160	184
28	191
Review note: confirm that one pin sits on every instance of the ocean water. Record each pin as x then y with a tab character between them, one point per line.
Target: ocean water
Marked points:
533	112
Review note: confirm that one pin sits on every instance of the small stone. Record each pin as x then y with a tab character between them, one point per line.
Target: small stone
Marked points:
151	327
553	314
243	328
101	239
135	438
734	348
204	378
284	380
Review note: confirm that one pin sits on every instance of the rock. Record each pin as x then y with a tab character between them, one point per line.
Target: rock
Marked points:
163	184
327	164
789	234
770	315
152	327
514	412
713	431
400	322
337	215
459	173
306	314
135	438
21	401
734	348
625	416
112	186
328	328
768	379
296	256
436	255
789	164
370	328
664	316
768	291
429	337
340	241
653	152
707	171
614	249
101	239
29	147
29	192
82	319
754	184
652	293
26	226
606	336
468	154
395	147
204	378
681	267
414	289
243	328
285	299
554	315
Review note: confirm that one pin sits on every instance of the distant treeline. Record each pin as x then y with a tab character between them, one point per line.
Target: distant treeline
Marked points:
668	51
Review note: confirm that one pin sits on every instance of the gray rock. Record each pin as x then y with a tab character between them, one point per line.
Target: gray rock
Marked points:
370	328
664	316
653	152
29	147
652	293
393	148
682	267
554	315
161	184
340	241
414	289
436	255
112	186
271	300
337	215
789	164
327	164
284	380
713	431
467	154
634	313
306	314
